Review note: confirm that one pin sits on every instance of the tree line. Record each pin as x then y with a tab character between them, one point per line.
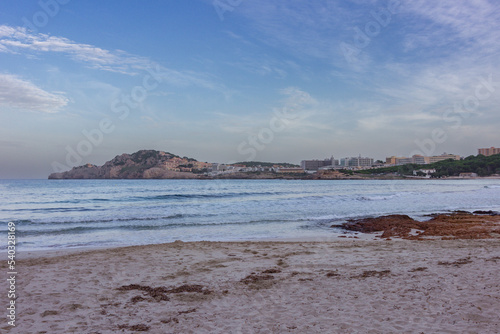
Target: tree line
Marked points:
480	164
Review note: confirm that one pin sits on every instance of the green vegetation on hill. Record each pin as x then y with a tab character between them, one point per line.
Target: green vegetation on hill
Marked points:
482	165
143	155
264	164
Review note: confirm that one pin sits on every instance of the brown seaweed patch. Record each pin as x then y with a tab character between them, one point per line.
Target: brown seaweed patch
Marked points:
305	279
253	278
456	263
190	288
187	311
373	273
281	263
169	320
49	312
136	328
137	299
160	293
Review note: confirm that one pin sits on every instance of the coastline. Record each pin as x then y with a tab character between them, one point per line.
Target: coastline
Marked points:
347	286
311	177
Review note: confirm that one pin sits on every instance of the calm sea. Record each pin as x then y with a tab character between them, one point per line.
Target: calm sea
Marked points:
52	214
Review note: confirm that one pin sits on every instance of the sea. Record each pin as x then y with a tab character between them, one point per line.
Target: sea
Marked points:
62	214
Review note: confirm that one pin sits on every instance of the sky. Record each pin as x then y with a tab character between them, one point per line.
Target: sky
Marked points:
235	80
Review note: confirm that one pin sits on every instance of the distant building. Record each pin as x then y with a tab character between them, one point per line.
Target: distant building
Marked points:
290	170
317	164
201	165
356	162
394	160
216	167
420	159
442	157
488	151
427	173
404	161
467	175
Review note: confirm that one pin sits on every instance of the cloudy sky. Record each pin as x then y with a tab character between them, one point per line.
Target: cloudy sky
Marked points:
233	80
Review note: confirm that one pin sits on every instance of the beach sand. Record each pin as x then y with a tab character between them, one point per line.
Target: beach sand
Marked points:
333	286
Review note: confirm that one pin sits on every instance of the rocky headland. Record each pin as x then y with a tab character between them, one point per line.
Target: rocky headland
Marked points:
144	164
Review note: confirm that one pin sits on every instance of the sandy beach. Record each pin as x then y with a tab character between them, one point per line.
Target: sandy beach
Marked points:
332	286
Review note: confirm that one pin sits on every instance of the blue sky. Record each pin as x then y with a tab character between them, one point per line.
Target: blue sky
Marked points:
284	80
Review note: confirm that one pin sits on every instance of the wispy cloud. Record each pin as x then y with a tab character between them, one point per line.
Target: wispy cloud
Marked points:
24	95
454	21
302	28
19	40
419	32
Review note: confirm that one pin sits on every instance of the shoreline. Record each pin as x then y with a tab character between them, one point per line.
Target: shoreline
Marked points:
404	277
312	177
348	232
42	253
50	253
346	286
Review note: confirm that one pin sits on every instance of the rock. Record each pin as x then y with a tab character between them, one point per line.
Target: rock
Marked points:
144	164
456	225
489	212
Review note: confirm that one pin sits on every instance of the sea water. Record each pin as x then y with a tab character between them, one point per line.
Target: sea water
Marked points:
53	214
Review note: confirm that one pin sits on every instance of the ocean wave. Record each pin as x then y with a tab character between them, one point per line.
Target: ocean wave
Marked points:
136	227
94	221
87	229
377	197
52	210
196	196
323	218
178	196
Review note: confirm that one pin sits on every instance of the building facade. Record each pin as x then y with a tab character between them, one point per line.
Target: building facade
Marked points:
488	151
420	159
317	164
442	157
356	162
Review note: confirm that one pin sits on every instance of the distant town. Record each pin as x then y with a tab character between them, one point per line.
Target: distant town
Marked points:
348	163
152	164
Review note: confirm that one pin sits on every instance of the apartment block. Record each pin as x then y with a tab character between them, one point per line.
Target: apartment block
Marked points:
420	159
488	151
442	157
317	164
356	162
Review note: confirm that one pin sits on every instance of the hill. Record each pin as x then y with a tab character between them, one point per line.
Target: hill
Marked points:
143	164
